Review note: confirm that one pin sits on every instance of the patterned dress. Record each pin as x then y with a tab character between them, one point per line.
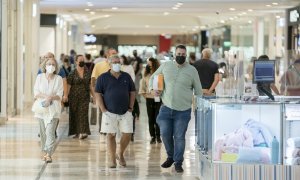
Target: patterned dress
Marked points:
79	98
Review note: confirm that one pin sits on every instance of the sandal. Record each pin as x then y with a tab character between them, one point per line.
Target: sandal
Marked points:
121	162
48	159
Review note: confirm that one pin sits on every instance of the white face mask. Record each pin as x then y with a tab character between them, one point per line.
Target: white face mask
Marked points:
50	69
116	67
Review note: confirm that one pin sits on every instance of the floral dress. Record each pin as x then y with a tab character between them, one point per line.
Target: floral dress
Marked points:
79	98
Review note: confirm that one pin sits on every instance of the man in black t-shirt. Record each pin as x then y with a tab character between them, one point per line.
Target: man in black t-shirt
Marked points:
208	72
115	94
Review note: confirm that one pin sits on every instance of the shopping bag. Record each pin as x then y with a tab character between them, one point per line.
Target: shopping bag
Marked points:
93	114
38	107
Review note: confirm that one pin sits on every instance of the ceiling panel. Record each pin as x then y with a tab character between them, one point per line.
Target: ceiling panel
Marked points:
158	16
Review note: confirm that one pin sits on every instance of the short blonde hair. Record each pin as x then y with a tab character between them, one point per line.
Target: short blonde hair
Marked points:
43	65
206	53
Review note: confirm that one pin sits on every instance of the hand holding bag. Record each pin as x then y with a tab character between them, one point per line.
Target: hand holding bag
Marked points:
38	108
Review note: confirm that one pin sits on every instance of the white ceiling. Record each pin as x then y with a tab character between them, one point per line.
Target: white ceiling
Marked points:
157	16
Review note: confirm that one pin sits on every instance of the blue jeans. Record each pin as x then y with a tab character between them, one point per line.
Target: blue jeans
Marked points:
173	125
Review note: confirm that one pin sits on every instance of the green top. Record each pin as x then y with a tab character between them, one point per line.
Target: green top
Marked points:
179	83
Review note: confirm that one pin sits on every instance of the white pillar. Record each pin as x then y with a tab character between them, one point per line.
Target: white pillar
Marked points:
260	37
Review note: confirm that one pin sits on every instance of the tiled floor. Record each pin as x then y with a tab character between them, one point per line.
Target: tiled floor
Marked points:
20	156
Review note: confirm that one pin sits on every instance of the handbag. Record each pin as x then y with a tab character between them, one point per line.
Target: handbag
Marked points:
93	115
38	108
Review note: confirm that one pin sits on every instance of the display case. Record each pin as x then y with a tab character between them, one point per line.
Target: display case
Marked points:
236	139
291	140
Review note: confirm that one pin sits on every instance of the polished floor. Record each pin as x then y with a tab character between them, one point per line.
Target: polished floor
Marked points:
20	156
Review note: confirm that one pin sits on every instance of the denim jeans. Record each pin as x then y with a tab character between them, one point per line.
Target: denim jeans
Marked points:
173	125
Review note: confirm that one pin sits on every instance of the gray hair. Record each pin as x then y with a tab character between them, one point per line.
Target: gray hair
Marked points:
43	65
114	56
206	53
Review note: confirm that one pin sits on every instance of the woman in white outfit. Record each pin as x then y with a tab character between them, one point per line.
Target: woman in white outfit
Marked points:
48	91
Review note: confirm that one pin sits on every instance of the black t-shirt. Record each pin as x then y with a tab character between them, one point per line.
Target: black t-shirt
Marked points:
206	70
116	92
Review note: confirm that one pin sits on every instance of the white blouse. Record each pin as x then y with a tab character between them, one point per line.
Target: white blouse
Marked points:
129	69
52	87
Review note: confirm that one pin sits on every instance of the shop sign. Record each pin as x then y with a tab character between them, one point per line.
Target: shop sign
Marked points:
89	38
294	16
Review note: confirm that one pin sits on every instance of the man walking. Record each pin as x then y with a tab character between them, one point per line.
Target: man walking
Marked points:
181	80
115	94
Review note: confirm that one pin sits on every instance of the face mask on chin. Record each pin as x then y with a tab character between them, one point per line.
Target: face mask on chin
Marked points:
50	69
116	67
180	59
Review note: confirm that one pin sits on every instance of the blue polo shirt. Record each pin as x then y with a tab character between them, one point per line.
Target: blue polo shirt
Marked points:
60	73
116	92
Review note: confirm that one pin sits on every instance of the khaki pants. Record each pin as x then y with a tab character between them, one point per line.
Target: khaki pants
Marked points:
47	135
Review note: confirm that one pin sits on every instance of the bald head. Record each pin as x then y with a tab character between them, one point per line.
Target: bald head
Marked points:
206	53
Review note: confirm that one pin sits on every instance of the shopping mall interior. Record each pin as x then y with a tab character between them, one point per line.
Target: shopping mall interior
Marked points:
230	136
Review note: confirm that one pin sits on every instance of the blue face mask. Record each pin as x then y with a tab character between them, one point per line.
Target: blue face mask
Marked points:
116	67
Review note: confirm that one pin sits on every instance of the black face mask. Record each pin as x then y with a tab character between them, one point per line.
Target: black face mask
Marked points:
81	64
148	69
180	59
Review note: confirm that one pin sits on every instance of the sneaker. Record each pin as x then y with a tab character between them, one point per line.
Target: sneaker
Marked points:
152	141
168	163
158	140
178	168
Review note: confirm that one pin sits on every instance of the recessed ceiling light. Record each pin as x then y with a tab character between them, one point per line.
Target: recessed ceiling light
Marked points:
114	8
147	26
106	15
268	5
232	9
179	4
166	13
275	3
92	12
231	18
250	10
222	21
244	13
87	9
277	17
93	26
175	8
249	22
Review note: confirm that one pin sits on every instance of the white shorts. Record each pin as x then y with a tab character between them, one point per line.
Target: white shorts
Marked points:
112	122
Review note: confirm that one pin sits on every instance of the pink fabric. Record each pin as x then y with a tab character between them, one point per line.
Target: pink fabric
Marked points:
231	142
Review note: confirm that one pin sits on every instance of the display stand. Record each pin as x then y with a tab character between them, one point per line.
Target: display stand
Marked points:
219	118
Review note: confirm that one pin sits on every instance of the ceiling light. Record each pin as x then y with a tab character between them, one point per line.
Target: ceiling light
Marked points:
268	5
275	4
69	33
202	27
244	13
232	9
90	4
87	9
250	10
235	17
93	26
222	21
175	8
166	13
179	4
106	15
182	26
249	22
231	18
277	17
92	12
147	26
114	8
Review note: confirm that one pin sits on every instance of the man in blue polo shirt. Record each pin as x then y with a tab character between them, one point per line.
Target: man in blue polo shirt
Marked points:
115	95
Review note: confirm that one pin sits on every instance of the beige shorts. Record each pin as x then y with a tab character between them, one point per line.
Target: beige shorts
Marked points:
111	122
